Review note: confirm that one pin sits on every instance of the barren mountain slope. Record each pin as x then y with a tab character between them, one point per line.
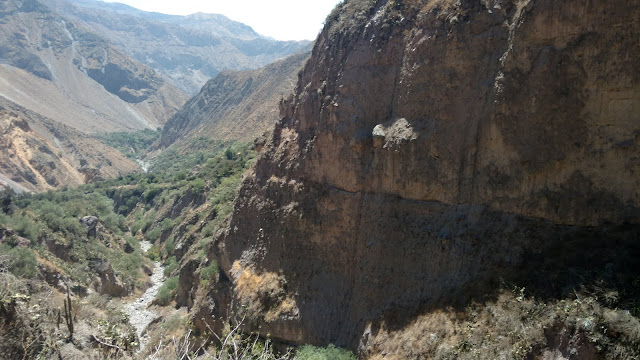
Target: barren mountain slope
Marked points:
235	105
433	148
189	50
54	67
40	154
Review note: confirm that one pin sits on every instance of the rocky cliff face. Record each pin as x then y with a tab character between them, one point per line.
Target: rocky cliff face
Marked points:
235	105
64	71
431	148
39	154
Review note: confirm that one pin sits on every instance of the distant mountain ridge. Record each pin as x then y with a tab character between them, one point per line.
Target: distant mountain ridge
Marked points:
84	67
64	71
235	105
186	49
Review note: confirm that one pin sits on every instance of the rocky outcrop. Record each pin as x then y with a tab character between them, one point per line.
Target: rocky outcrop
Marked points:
236	105
9	236
91	223
187	284
6	234
107	282
59	248
433	148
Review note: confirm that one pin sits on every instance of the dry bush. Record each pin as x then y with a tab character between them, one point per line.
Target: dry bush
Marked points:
232	345
514	326
263	295
26	320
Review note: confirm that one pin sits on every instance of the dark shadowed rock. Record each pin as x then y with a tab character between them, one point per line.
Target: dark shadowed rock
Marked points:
187	284
430	150
91	223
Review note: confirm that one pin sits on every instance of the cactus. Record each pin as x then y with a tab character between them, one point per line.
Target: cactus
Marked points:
68	317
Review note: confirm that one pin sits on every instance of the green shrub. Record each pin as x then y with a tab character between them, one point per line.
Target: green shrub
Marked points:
308	352
73	227
129	266
210	271
197	186
26	228
154	253
209	229
7	197
143	223
166	224
167	291
4	219
169	246
154	234
114	222
22	261
170	266
53	216
134	243
151	192
228	154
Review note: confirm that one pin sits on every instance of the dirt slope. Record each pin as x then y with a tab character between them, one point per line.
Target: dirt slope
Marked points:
69	74
235	105
40	154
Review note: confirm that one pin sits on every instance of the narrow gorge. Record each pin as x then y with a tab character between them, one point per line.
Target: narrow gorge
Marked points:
432	151
434	179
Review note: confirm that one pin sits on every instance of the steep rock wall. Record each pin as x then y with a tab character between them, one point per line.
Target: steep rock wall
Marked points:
433	147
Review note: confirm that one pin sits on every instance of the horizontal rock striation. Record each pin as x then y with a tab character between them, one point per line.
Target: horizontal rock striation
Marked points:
434	147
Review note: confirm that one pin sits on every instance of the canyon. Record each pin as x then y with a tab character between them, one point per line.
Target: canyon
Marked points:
434	179
432	150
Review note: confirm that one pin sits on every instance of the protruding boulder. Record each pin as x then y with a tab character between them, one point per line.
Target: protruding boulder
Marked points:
91	222
107	282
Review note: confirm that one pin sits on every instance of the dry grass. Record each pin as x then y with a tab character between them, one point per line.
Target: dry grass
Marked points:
263	295
514	327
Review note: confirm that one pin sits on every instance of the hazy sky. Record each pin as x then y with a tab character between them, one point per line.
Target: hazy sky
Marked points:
280	19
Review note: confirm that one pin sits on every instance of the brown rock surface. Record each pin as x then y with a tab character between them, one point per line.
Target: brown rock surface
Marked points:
108	282
433	147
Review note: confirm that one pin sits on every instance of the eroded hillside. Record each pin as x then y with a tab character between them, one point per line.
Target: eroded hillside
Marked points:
235	105
189	50
433	150
66	72
39	154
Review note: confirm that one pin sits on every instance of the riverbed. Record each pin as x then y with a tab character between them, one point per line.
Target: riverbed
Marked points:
140	316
